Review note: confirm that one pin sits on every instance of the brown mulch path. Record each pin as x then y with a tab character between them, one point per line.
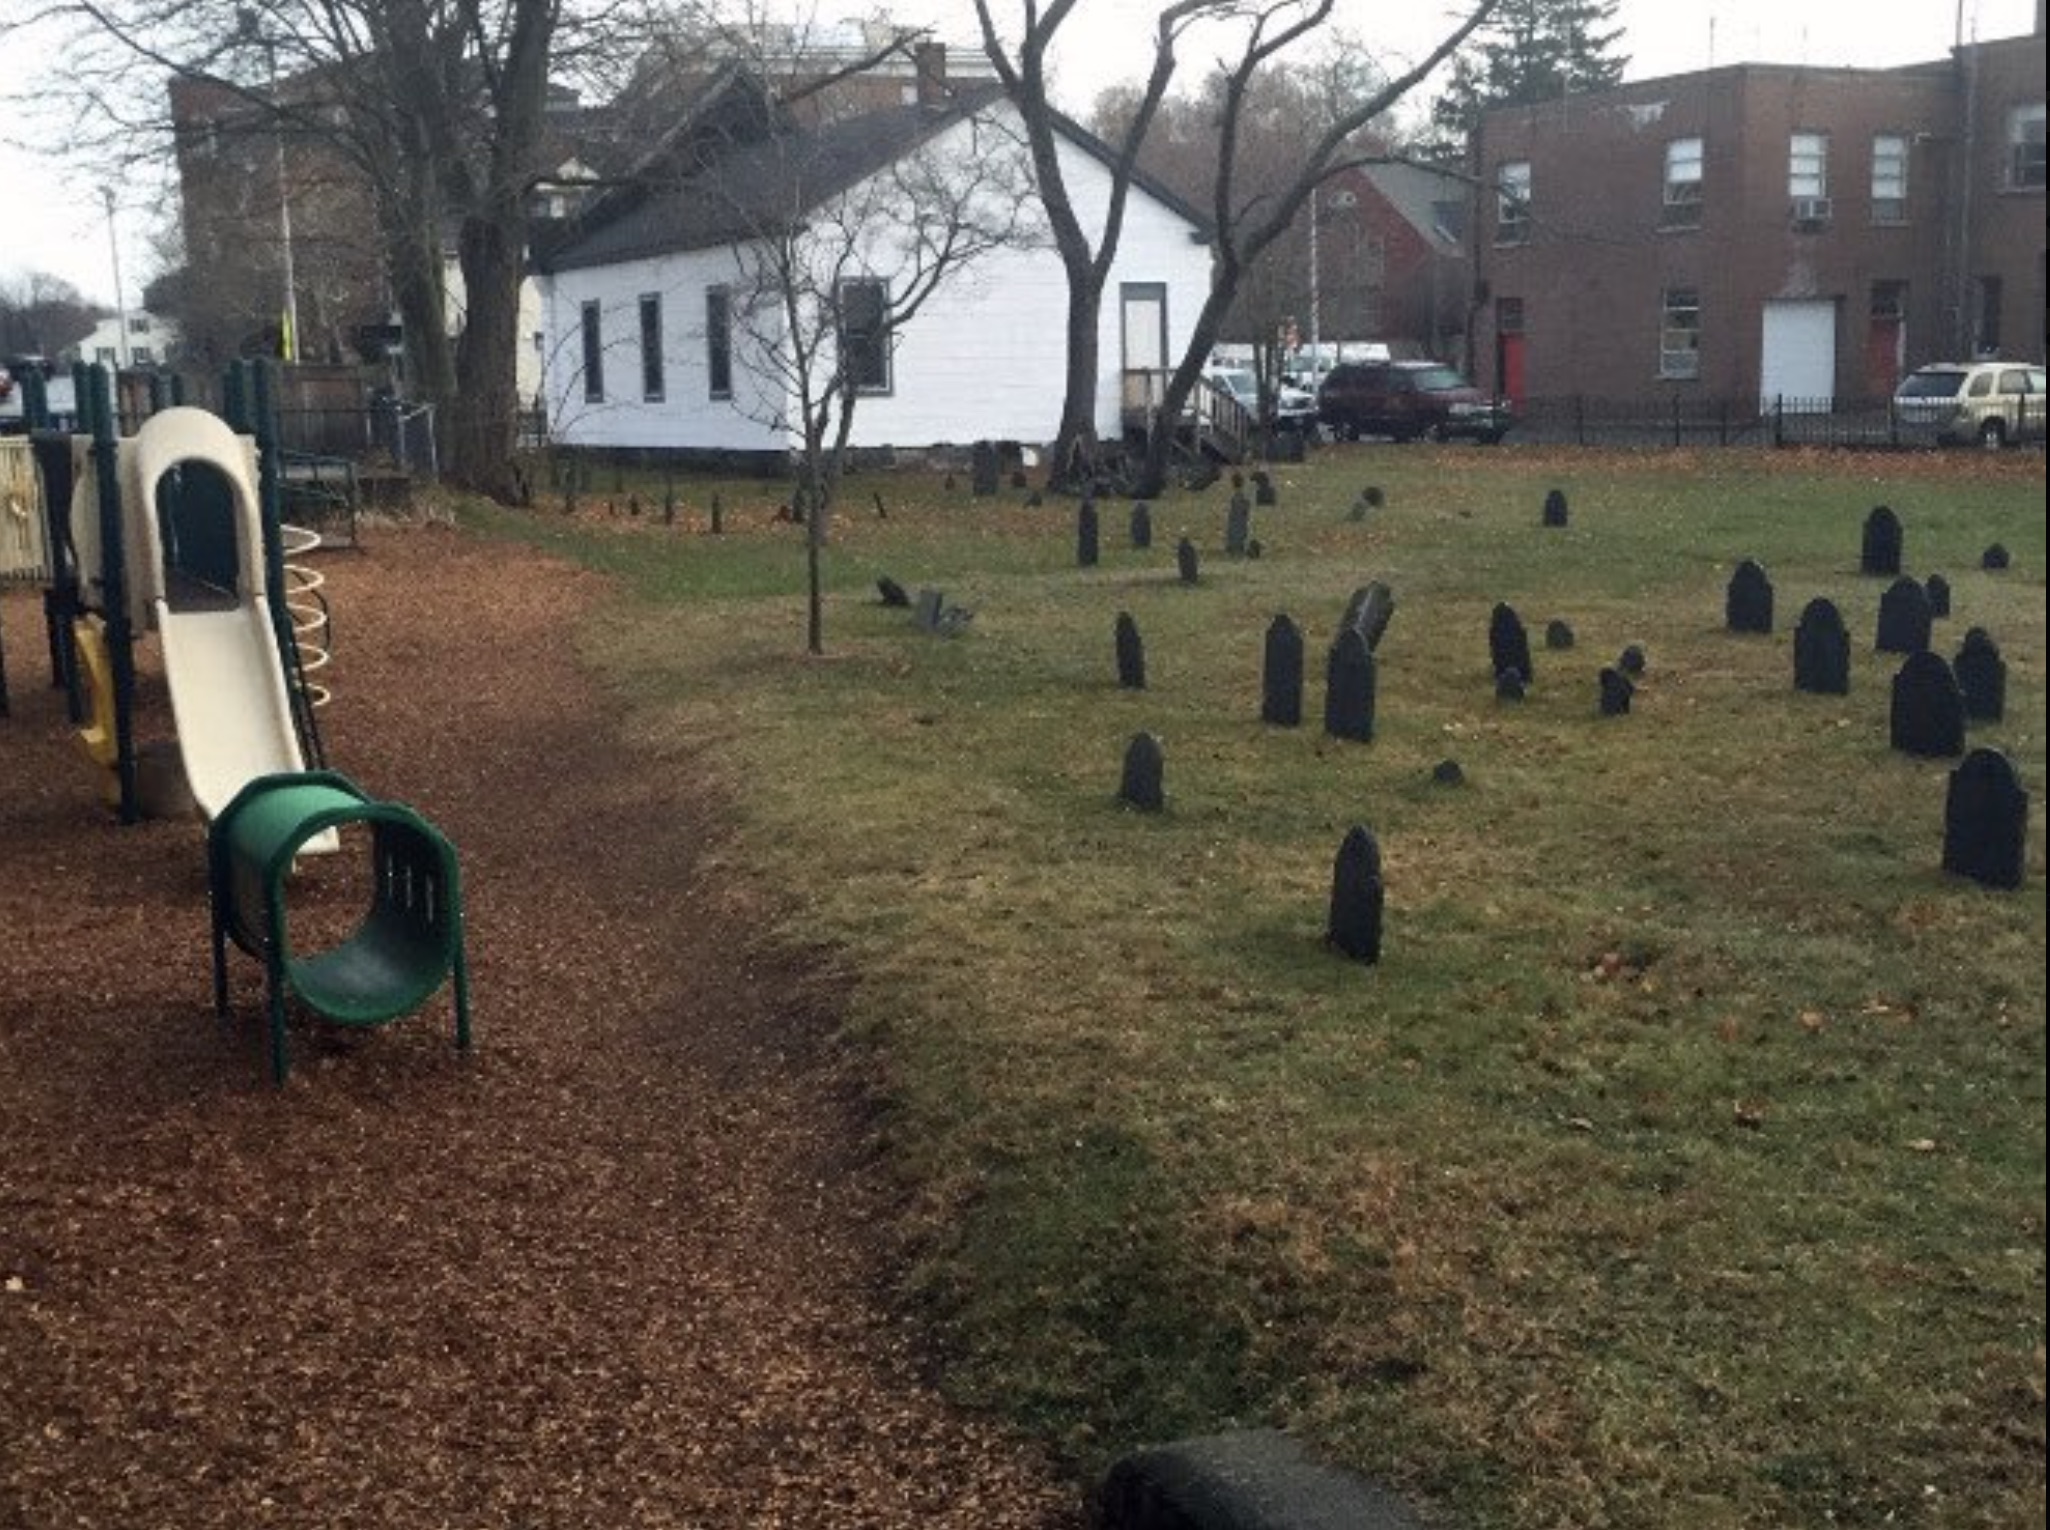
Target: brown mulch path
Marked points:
617	1268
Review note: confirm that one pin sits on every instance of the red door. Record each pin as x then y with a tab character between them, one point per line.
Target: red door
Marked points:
1883	355
1510	365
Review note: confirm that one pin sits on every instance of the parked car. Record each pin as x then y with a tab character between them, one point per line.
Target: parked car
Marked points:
1954	403
1294	409
1408	399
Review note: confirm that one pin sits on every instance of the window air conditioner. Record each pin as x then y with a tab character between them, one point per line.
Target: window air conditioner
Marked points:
1811	210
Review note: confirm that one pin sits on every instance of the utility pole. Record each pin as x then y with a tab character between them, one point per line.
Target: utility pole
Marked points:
120	304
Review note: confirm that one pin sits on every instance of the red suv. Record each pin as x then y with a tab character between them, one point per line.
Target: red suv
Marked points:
1407	399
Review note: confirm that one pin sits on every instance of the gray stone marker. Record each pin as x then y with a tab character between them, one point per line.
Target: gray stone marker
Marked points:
1252	1480
1144	767
1349	683
1555	508
931	603
1131	654
1928	713
1357	897
1880	552
1747	603
1994	559
1558	635
1187	565
1086	532
1238	524
1822	650
1904	618
1937	588
1281	674
984	470
1616	691
1509	644
892	593
1982	677
1369	610
1142	525
1263	488
1986	820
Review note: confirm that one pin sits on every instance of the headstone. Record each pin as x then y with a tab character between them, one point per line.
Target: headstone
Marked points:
1370	609
1747	604
1131	654
1254	549
1928	716
1509	685
1185	561
1555	507
1086	534
1822	650
1349	681
1986	820
1509	644
1616	691
1558	635
1287	446
1358	897
1281	675
1448	773
1994	558
1937	588
1144	767
1631	660
1142	524
1263	489
892	592
1904	618
1238	524
1881	550
1981	676
931	605
1372	497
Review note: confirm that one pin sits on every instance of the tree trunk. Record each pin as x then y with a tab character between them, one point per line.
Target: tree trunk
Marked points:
1075	442
483	418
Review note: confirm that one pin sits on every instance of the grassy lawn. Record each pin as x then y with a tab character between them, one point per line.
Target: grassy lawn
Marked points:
1682	1161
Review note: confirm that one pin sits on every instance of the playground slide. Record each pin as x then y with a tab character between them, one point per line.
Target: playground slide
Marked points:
228	695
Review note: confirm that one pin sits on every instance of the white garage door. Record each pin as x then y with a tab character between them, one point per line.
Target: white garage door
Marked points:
1797	359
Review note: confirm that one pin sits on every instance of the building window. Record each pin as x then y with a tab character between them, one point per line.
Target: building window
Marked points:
139	324
864	336
104	355
1509	316
142	356
1808	178
1680	333
651	348
1889	178
1512	202
594	357
719	341
1682	207
2025	147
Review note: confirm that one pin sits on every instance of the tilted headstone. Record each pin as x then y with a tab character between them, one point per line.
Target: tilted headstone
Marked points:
1880	552
1370	610
1238	524
1558	635
1904	619
931	605
984	470
1822	650
1142	524
1937	588
1144	769
1986	820
1509	644
1555	507
1263	489
1086	530
1994	558
1187	565
1928	715
1358	897
1616	691
1631	660
892	593
1982	677
1747	604
1349	682
1448	773
1281	674
1131	654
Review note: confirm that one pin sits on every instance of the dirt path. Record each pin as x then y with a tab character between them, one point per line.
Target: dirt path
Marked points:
611	1271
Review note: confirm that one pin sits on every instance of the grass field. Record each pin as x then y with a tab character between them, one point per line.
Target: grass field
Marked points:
1682	1161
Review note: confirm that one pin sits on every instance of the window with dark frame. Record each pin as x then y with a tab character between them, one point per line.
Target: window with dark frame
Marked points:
1680	333
2025	161
719	341
1890	178
1681	207
1512	202
594	356
1509	316
1808	179
864	337
651	348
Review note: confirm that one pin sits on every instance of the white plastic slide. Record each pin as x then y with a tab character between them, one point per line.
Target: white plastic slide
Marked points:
228	695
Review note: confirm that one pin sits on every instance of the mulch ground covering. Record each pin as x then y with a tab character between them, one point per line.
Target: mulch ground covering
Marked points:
619	1267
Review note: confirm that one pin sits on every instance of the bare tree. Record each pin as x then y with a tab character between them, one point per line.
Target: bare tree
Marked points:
42	315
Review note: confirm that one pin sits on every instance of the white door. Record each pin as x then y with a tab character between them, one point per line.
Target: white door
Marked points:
1142	308
1797	357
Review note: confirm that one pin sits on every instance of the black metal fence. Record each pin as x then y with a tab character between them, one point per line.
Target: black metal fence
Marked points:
1870	424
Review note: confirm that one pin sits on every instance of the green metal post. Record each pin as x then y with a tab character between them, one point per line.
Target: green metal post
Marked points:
114	584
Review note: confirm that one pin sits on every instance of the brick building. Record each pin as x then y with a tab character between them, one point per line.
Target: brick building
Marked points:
1764	233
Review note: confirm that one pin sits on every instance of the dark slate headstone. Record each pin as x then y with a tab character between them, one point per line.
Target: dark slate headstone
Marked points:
1822	650
1616	691
1747	604
984	469
1558	635
1142	524
1509	685
892	592
1982	677
1555	507
1448	773
1986	820
1357	897
1937	588
1631	660
1928	716
1254	549
1287	446
1144	767
1238	524
1994	558
1263	489
1904	618
1131	654
1187	565
1509	644
1370	610
1349	682
1372	497
931	606
1281	675
1086	535
1880	552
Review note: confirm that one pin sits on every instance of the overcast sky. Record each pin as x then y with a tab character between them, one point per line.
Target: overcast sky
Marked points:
58	224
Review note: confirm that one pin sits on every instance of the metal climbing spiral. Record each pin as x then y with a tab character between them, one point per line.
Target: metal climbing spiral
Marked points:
306	600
